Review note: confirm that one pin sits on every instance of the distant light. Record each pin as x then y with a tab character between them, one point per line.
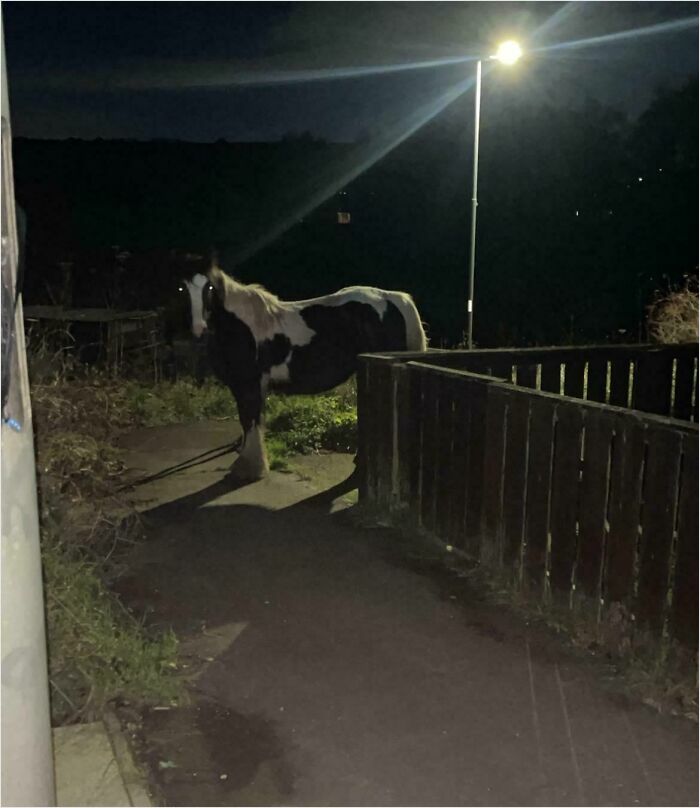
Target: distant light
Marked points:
661	169
508	52
641	179
577	213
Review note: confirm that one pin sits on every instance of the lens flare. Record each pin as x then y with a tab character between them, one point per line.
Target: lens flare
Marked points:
371	155
682	24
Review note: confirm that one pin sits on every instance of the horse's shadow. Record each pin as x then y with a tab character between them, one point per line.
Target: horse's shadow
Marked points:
321	501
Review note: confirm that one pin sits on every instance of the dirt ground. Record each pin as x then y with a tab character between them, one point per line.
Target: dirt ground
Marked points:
331	664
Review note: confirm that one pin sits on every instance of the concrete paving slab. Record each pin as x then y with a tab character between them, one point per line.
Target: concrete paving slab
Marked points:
87	772
94	767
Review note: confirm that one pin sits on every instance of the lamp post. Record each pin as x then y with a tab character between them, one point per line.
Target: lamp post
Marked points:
508	53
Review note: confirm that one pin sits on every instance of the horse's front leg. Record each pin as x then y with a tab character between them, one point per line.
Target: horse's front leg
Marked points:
251	463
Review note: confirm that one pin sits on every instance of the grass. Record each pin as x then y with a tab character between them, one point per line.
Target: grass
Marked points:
294	424
177	402
98	651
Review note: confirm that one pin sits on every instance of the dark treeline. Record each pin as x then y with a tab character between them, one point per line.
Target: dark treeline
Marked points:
582	216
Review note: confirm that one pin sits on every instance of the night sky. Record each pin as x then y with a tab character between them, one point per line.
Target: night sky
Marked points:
258	71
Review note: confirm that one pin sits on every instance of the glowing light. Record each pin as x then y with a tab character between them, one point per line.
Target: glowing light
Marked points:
508	52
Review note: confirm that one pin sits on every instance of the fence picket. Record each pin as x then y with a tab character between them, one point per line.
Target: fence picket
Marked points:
406	432
658	521
515	480
565	482
593	502
625	509
477	391
494	470
429	419
415	452
460	467
445	483
363	427
384	435
683	394
539	486
684	608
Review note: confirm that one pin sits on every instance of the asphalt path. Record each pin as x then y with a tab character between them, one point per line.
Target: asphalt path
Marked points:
334	664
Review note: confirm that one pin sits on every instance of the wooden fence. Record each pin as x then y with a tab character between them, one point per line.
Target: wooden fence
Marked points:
524	461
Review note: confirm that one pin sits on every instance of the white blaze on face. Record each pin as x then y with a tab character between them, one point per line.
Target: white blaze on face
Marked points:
196	289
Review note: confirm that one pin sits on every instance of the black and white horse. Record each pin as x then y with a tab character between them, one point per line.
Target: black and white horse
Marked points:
257	342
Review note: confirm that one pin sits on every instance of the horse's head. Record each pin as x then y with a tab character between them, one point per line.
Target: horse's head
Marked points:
194	281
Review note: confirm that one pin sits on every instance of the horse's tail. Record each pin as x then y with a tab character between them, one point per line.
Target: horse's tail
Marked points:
416	339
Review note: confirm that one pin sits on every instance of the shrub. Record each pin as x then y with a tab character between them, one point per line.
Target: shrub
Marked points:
673	317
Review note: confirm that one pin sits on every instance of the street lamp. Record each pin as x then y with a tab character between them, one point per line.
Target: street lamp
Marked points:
508	53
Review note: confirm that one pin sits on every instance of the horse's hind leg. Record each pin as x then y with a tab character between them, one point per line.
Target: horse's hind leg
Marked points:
251	463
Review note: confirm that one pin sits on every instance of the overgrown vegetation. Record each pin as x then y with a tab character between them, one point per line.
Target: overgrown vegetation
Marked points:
99	651
305	424
673	317
177	402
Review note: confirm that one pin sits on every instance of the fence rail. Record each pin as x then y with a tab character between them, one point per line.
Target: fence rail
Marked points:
578	502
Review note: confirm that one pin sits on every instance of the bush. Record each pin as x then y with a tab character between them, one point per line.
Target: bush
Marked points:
673	317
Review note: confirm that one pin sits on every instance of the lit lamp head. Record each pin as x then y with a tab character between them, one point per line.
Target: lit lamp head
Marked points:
508	52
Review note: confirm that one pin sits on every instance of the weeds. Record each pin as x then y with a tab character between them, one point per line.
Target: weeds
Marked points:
97	650
177	402
301	425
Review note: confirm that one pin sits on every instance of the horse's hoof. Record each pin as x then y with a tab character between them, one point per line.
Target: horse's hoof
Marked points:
245	471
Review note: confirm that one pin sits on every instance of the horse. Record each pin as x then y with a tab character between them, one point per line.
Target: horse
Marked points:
257	343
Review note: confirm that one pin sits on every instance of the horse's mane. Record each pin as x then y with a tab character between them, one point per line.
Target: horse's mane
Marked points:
259	308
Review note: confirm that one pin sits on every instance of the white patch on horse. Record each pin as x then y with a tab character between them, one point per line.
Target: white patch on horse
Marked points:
195	288
280	373
264	313
377	298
